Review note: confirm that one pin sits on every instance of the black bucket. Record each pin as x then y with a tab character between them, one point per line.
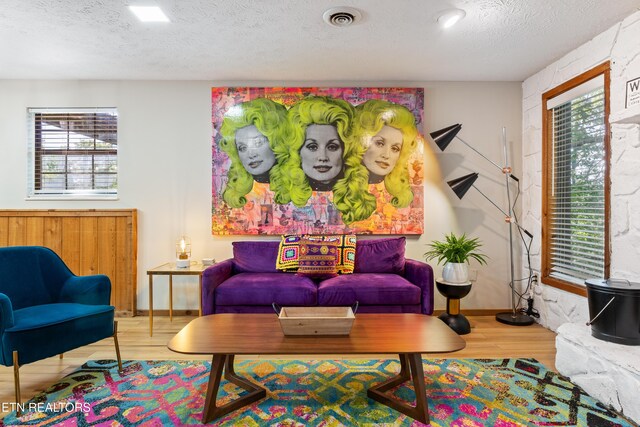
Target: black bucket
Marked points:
614	310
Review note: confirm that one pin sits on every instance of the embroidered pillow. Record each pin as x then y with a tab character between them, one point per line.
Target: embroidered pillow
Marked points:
318	258
288	253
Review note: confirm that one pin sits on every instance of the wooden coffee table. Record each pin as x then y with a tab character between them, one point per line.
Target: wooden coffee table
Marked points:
227	335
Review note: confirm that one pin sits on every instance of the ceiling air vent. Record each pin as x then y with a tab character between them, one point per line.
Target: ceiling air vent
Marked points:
341	16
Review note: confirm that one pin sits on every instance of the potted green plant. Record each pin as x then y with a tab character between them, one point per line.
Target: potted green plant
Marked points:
456	251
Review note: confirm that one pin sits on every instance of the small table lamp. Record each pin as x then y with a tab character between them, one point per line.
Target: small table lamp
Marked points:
183	252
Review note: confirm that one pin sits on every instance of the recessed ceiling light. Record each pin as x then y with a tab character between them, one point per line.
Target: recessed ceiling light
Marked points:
149	13
448	18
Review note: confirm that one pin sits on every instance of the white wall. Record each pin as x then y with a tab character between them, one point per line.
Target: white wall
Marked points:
620	45
165	168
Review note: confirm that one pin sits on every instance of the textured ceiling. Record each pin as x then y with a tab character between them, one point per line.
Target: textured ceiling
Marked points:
285	40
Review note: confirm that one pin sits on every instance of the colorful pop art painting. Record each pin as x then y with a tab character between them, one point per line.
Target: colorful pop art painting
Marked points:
317	160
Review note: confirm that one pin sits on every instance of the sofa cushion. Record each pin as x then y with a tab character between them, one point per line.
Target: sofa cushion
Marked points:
380	255
368	289
43	316
43	331
266	288
255	257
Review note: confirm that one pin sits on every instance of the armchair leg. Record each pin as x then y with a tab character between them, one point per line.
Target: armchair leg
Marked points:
16	380
61	356
115	340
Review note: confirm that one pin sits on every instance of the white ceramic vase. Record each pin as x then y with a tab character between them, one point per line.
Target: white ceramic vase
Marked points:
455	272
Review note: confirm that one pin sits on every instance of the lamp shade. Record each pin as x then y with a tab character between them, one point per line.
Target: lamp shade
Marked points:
443	137
461	185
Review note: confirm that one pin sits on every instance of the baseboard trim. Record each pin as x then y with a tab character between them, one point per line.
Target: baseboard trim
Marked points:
166	312
469	312
123	313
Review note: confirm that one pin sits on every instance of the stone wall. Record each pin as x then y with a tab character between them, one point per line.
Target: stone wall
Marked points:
620	45
608	372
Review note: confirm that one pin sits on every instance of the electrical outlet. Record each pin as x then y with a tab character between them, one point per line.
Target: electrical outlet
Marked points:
535	284
473	275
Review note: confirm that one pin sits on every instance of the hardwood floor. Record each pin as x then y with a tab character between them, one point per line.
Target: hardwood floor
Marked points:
488	339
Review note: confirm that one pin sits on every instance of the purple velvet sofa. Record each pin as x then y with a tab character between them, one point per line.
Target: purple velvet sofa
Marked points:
383	281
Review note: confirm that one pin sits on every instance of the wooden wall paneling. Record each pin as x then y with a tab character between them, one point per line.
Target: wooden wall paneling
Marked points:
71	243
106	250
132	249
51	237
88	244
89	241
16	231
121	260
4	231
34	230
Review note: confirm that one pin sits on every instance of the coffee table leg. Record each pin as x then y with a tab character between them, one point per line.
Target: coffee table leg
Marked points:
211	410
410	367
422	405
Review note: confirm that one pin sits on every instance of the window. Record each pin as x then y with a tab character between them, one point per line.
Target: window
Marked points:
575	181
73	153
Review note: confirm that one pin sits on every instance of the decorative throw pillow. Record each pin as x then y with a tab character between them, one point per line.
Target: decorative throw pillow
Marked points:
288	253
346	256
318	258
255	256
385	255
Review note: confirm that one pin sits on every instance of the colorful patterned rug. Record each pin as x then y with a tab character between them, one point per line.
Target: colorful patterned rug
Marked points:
327	393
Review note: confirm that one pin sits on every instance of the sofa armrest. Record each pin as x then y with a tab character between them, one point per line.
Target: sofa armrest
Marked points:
6	313
421	274
90	290
212	277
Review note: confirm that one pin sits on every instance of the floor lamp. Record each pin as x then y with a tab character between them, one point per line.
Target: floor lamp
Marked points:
460	186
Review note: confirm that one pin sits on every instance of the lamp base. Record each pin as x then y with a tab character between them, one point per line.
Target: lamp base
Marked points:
517	319
183	263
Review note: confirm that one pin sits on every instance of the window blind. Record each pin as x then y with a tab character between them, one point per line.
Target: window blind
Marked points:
577	202
73	152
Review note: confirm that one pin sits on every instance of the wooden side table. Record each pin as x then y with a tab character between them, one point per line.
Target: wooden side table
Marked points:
170	269
453	317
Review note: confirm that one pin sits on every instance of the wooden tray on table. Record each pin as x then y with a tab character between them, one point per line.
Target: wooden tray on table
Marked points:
316	321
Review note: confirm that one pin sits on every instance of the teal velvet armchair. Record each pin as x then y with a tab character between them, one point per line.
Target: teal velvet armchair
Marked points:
46	310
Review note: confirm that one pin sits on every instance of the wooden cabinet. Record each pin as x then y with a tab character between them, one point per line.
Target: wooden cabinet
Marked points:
90	241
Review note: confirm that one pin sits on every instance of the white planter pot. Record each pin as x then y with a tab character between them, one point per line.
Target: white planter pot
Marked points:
455	272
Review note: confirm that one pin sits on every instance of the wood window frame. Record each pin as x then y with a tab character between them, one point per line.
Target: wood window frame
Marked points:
547	184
